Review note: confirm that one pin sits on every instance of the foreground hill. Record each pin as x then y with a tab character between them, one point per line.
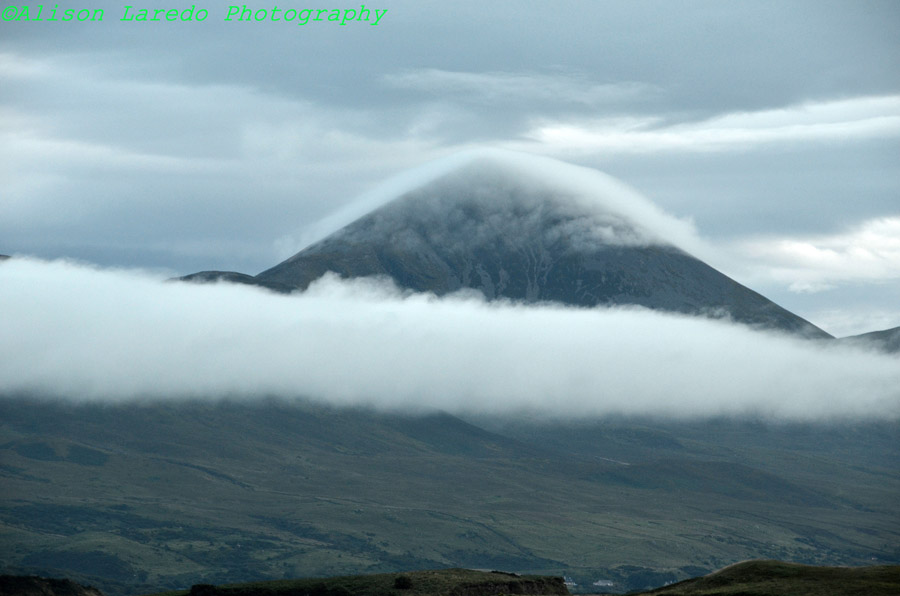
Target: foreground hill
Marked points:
774	578
439	582
750	578
141	497
12	585
526	232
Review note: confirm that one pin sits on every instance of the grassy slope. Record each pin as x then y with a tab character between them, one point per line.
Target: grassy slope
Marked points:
176	495
775	578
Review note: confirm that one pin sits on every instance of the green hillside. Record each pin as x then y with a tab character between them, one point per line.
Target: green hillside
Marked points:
140	498
775	578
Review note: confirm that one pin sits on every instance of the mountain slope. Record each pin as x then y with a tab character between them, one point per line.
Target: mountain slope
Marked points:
497	227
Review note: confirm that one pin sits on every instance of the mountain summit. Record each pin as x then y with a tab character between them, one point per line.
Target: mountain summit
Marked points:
531	230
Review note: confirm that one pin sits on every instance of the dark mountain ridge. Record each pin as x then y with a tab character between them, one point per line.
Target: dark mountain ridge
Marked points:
886	340
235	278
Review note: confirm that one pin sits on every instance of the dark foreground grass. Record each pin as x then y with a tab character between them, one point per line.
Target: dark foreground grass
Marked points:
444	582
751	578
774	578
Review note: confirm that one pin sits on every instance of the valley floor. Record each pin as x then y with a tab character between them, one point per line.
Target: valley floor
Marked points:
157	496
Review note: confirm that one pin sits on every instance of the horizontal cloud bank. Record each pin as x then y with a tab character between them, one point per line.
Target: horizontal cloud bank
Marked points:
869	252
81	333
858	118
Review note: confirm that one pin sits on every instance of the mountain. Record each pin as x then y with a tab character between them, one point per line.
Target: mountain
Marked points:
525	233
887	340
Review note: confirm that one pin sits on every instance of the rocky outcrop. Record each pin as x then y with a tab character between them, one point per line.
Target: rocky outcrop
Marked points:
533	586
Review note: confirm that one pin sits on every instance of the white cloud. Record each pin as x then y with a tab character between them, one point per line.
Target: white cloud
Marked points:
83	333
845	321
867	253
18	67
846	119
520	87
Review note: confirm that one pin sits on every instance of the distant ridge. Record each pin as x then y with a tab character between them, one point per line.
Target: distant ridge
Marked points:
496	226
233	277
887	340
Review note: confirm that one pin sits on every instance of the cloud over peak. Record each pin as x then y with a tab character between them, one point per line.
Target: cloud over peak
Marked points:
508	187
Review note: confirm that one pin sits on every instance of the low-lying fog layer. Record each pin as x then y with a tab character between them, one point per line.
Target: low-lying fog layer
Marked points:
74	331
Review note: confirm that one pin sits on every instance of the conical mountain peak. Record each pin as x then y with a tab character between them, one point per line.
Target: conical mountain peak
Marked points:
487	205
473	196
530	229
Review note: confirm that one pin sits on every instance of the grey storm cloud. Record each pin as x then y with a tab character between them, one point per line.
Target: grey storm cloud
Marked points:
77	332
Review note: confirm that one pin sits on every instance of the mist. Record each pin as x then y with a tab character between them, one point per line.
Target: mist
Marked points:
80	333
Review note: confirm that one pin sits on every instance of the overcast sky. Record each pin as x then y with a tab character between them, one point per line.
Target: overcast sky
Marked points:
181	146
